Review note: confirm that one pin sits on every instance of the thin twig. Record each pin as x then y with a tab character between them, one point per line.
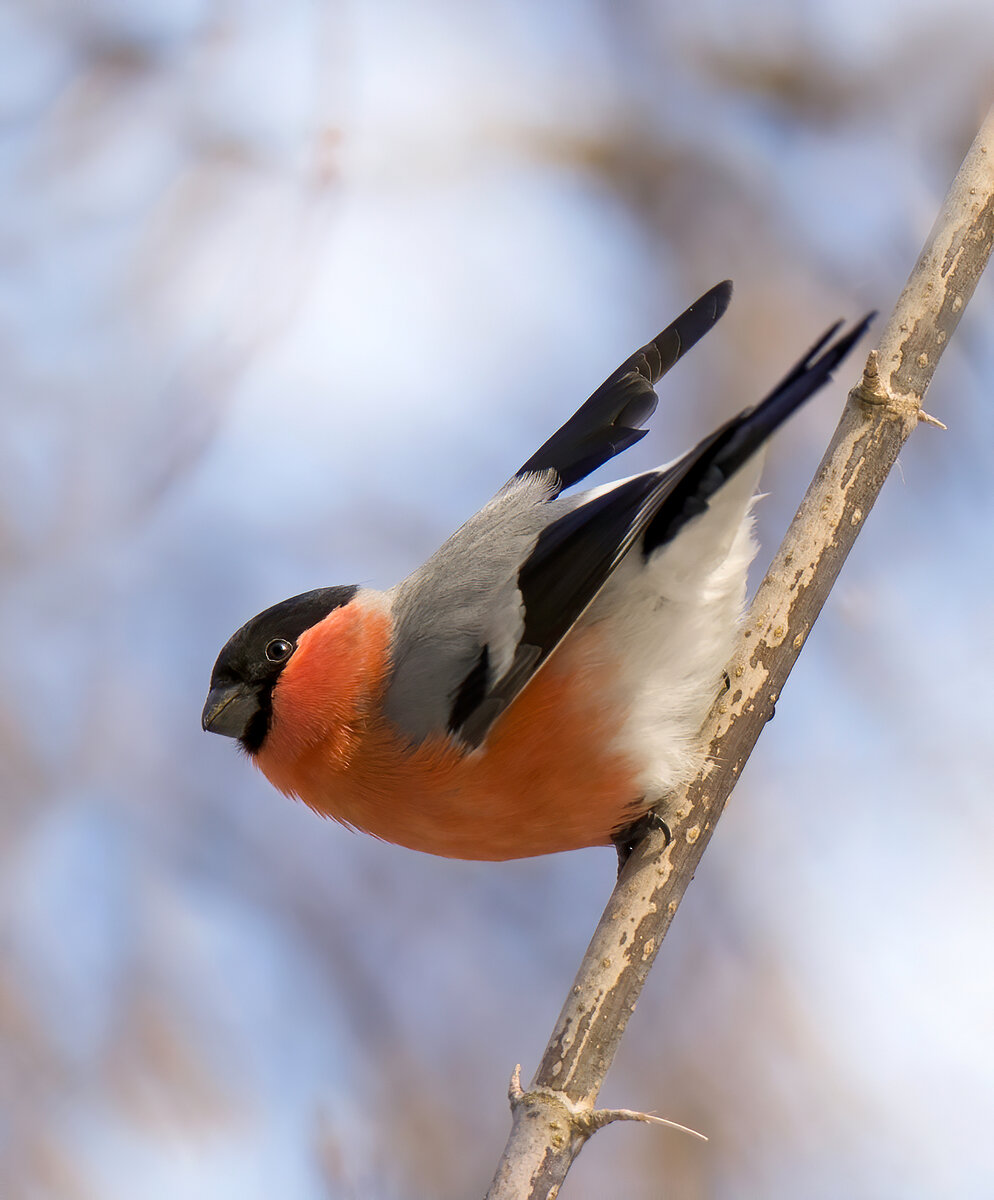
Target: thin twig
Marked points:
880	414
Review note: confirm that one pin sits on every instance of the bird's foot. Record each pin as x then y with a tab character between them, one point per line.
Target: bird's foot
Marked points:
625	840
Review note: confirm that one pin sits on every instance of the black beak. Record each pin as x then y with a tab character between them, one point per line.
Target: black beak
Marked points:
230	709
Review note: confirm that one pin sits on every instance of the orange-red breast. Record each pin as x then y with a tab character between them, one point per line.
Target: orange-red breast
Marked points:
539	684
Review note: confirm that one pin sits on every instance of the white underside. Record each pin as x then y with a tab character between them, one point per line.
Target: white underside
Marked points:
671	623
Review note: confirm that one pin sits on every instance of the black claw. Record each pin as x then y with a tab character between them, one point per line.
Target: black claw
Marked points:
625	840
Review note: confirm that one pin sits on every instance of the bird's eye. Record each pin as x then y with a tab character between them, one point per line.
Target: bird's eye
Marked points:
279	650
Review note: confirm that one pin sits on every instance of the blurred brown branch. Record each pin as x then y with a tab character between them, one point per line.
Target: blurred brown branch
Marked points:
552	1119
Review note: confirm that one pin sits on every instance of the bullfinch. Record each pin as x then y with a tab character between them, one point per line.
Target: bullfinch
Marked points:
539	684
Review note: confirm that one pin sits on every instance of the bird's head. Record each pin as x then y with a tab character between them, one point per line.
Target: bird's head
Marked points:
240	701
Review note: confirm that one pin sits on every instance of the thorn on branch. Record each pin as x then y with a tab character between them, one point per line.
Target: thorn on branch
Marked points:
873	393
597	1118
586	1121
870	390
928	419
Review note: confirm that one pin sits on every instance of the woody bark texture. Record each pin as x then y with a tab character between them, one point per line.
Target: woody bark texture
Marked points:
553	1118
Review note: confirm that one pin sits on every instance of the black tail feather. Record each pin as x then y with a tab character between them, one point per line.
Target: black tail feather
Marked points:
610	420
715	460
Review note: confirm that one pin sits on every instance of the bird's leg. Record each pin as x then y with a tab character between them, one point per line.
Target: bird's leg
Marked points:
625	840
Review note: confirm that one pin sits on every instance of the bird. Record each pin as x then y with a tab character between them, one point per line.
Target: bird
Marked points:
540	683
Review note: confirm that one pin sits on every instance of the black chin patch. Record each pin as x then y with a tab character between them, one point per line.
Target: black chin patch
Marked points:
255	733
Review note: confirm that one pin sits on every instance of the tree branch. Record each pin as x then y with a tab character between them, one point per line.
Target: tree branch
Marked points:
555	1117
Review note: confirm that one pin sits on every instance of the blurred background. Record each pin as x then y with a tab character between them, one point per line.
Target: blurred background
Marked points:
286	291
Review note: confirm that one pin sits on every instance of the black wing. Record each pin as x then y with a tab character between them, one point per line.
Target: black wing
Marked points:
609	421
575	555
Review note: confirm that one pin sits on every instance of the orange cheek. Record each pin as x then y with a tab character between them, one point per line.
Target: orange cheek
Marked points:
324	691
